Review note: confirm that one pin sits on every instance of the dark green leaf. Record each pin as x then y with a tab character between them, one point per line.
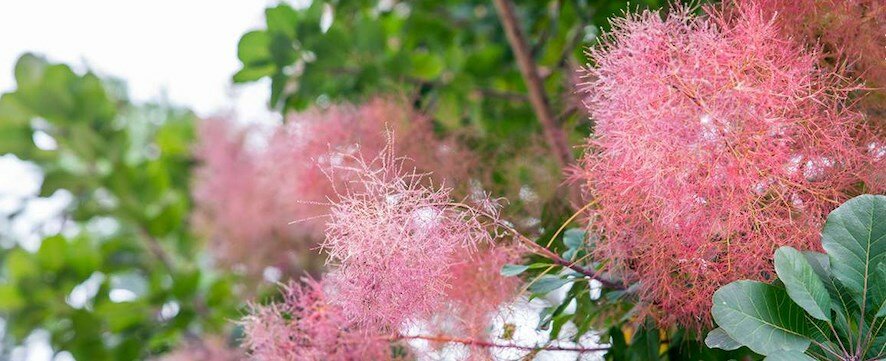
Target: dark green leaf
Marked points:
509	270
718	338
547	284
803	285
854	237
788	356
761	317
574	238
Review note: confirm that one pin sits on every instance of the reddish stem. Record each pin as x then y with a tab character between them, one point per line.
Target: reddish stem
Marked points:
482	343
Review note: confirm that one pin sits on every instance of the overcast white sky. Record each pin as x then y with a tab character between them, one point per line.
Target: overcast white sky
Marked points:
186	48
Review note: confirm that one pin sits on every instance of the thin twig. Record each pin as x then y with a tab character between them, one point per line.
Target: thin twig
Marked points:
482	343
537	248
154	246
555	136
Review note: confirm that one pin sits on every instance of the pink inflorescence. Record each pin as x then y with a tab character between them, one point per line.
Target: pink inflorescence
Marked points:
305	326
392	237
717	140
478	290
477	295
234	208
849	32
264	204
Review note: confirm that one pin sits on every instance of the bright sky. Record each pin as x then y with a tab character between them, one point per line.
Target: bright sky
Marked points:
185	48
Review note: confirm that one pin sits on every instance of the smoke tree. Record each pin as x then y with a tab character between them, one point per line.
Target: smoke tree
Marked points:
471	180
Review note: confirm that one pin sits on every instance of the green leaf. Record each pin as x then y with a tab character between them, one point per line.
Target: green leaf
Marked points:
879	292
254	47
840	298
10	298
254	72
574	238
20	265
646	344
789	356
282	19
52	253
761	317
123	315
426	66
547	284
803	285
509	270
854	237
718	338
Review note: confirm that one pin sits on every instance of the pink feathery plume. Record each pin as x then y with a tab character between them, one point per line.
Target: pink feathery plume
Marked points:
717	140
391	237
477	294
234	209
306	326
848	32
265	205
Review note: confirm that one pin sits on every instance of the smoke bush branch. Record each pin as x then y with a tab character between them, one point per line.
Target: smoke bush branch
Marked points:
555	136
541	250
483	343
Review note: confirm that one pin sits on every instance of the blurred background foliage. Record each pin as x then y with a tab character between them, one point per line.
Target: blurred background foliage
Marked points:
126	277
123	278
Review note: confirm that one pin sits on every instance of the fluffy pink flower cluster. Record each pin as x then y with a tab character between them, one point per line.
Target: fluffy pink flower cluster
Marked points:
248	195
717	140
392	237
401	250
307	327
478	293
845	30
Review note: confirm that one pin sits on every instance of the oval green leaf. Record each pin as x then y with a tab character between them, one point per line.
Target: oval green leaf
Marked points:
761	317
803	285
789	356
854	237
718	338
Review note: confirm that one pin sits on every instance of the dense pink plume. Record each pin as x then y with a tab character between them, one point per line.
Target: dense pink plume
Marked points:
849	32
249	197
392	236
477	294
212	348
233	206
717	140
306	326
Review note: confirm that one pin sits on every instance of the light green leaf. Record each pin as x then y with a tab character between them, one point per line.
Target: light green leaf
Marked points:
509	270
282	19
10	298
426	66
880	292
574	238
854	237
789	356
52	253
254	72
547	284
803	285
761	317
254	47
718	338
20	265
